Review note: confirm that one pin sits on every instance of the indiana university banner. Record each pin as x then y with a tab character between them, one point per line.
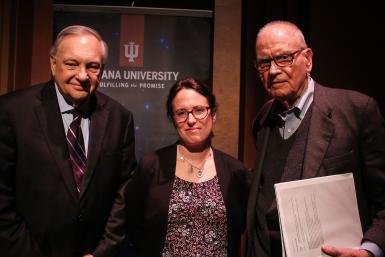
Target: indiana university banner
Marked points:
149	50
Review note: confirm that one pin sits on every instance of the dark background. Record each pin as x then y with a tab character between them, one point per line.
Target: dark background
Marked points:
347	37
181	4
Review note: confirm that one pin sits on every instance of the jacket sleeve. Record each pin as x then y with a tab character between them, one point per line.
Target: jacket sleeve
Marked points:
373	151
15	238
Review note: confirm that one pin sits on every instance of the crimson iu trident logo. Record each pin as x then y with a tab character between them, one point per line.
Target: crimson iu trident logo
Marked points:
131	51
131	41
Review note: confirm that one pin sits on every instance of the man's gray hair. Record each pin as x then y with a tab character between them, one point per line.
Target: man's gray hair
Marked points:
79	30
298	32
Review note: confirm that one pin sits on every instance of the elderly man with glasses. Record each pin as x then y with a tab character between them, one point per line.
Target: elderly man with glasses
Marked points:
307	130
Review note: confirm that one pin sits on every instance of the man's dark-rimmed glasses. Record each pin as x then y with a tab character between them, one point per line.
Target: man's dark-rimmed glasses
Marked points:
281	60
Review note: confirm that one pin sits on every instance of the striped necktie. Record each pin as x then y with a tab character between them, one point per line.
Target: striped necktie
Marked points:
76	149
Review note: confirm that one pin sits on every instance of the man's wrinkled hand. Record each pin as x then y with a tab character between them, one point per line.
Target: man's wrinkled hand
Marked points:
345	252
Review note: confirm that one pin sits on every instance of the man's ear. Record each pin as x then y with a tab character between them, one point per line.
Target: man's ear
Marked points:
53	62
309	60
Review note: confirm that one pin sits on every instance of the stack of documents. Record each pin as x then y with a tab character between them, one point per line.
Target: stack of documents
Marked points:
318	211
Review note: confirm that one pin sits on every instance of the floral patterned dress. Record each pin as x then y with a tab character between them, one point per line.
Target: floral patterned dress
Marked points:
197	223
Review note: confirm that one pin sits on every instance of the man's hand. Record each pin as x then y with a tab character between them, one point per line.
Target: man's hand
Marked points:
345	252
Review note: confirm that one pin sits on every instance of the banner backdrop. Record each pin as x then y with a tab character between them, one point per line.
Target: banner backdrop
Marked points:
149	50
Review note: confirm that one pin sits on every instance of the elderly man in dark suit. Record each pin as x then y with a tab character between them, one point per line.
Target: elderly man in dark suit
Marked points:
66	153
305	131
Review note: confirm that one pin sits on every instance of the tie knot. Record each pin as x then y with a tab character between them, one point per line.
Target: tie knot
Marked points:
77	117
76	113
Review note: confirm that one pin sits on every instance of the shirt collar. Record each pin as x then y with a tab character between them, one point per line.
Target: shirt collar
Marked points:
85	108
64	106
302	104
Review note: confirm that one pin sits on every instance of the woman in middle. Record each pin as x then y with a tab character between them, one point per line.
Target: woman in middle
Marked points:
188	199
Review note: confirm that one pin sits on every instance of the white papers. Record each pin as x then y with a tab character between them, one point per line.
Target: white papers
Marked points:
318	211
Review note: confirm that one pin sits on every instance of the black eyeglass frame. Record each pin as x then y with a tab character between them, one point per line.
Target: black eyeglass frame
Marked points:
276	59
192	112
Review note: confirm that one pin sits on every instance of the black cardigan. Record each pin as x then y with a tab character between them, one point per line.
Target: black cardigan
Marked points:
148	195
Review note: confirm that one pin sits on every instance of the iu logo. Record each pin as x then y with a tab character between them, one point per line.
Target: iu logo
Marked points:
131	51
131	46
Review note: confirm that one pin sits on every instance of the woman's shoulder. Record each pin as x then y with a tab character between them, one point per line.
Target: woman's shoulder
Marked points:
159	157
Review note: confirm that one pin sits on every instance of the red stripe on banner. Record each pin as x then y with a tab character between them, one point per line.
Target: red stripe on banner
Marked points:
131	40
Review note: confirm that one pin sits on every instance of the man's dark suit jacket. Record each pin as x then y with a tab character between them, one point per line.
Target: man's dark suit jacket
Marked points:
346	134
41	213
149	194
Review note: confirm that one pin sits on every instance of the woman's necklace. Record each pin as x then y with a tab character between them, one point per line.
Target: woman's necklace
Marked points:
192	167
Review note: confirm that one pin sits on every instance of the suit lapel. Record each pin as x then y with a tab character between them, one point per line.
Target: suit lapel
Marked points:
48	115
261	131
257	233
321	132
98	125
262	139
